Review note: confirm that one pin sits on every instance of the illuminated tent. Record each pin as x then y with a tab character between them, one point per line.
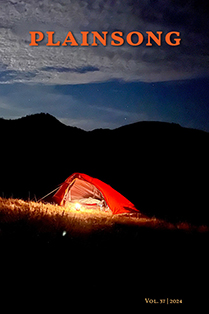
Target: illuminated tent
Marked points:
83	189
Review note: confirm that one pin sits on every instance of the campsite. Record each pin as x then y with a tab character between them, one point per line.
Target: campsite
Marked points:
160	248
152	164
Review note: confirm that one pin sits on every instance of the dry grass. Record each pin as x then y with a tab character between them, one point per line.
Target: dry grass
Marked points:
92	250
46	218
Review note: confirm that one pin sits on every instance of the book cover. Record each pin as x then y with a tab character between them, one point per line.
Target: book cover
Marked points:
107	101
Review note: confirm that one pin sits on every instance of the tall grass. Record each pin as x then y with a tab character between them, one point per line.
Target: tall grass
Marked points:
38	218
95	248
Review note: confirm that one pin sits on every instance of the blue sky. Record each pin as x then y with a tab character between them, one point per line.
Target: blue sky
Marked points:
112	104
105	87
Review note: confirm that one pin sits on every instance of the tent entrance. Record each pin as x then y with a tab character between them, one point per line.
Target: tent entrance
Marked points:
86	194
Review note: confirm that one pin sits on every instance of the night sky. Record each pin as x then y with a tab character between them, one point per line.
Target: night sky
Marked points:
105	86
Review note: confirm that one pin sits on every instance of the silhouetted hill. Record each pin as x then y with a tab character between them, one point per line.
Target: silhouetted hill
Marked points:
161	167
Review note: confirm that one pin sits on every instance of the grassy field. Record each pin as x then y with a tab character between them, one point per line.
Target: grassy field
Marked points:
42	219
91	250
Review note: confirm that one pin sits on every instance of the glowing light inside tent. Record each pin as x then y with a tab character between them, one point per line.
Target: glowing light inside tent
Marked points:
77	206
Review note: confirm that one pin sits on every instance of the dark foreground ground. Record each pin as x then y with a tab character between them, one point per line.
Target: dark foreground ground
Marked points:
116	263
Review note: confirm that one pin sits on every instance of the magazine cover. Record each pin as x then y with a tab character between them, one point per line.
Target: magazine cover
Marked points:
104	121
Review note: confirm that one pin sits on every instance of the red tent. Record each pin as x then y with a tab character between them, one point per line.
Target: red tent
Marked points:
80	187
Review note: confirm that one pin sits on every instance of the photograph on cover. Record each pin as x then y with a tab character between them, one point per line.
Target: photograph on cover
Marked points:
104	120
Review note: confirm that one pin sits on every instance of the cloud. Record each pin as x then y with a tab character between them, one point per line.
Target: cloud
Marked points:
79	65
7	76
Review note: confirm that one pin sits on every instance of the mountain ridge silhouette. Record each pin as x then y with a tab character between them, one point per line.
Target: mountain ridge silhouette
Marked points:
161	167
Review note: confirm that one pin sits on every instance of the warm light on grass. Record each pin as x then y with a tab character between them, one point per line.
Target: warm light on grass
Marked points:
77	218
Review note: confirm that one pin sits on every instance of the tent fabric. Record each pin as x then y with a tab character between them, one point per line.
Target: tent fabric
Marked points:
79	186
82	189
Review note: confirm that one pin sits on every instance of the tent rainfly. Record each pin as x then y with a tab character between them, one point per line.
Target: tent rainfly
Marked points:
86	190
